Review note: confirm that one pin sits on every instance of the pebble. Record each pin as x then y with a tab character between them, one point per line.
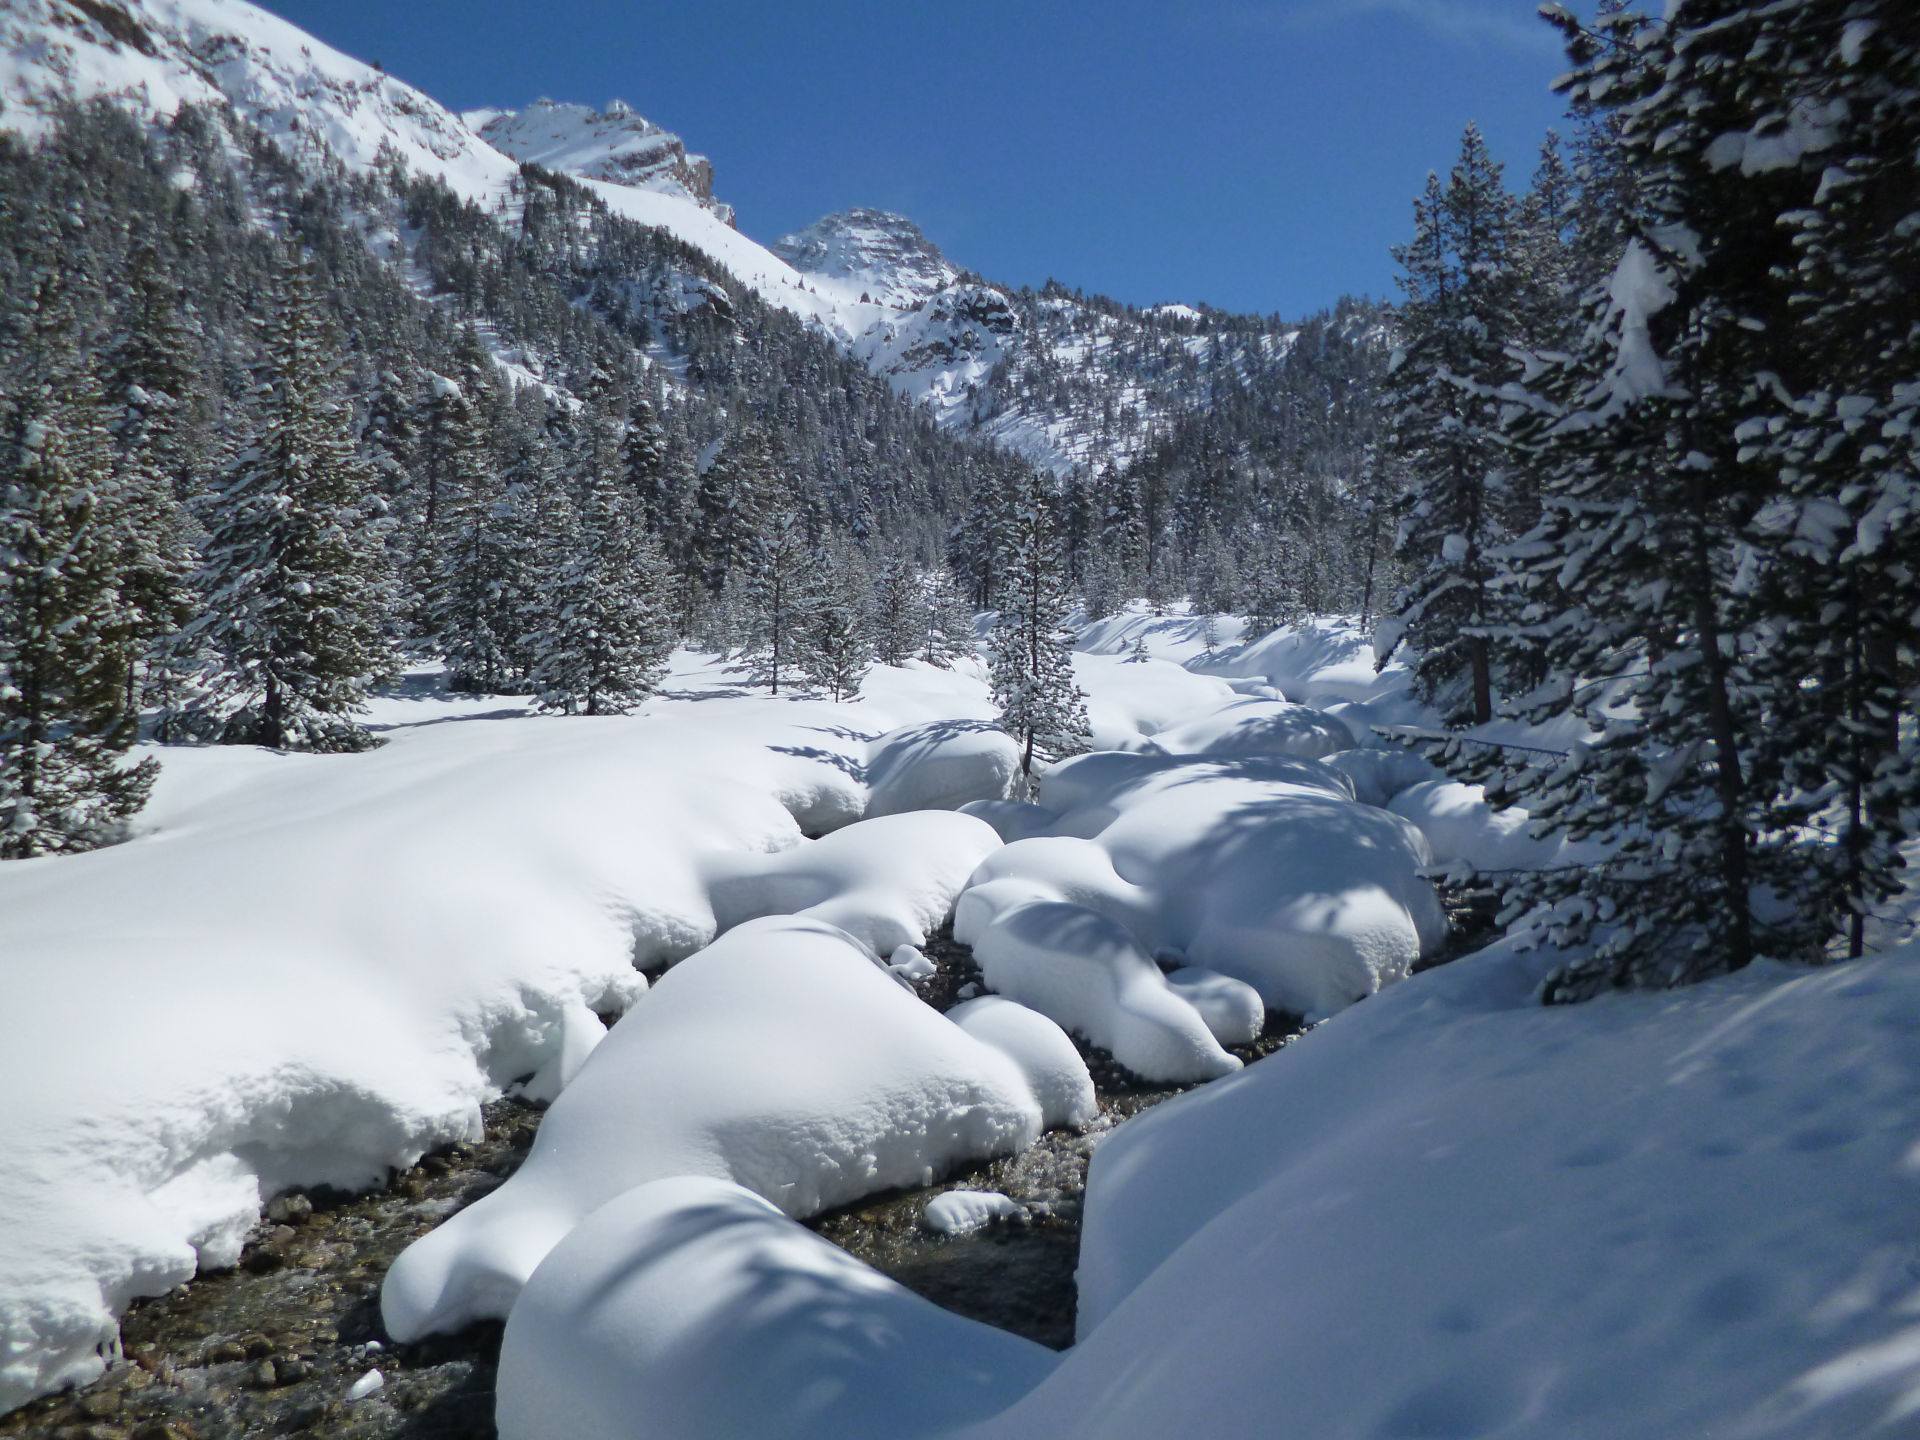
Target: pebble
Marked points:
366	1385
290	1209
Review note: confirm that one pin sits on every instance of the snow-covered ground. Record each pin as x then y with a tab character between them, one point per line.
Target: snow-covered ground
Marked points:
1445	1211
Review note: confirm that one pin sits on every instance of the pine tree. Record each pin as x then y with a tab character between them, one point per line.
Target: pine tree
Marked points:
67	637
776	597
602	633
295	574
470	564
899	606
837	643
1041	705
950	620
1459	317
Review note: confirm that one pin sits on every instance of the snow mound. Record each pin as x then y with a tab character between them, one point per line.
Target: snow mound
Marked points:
690	1308
940	765
1232	1009
1687	1213
963	1212
1257	727
886	882
1379	775
1088	973
1130	701
1260	868
781	1057
1012	819
1052	1066
1462	828
1053	867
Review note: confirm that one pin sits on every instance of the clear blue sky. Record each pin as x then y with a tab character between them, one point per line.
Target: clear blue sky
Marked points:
1258	156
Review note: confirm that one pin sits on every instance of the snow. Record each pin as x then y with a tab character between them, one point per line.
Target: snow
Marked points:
1666	1214
1128	703
1230	1008
689	1309
1047	1058
887	882
962	1212
311	968
782	1058
940	765
1257	727
365	1385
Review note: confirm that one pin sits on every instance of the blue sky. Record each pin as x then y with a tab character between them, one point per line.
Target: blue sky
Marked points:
1258	156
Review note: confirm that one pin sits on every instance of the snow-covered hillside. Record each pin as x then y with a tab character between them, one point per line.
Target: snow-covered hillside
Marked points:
1062	379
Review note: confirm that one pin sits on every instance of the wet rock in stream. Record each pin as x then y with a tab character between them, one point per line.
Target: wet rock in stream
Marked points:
275	1346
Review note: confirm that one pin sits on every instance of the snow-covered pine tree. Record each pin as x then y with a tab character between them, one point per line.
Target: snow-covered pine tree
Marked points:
1837	419
899	607
1458	319
950	620
837	640
776	596
1041	705
67	638
470	568
156	388
1658	551
295	575
602	630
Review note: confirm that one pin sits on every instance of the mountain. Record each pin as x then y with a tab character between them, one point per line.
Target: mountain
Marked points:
617	145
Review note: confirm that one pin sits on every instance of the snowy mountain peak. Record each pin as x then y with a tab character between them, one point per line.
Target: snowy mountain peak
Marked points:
618	145
884	254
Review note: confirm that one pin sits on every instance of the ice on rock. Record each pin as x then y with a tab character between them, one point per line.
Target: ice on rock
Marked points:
962	1212
1090	975
940	765
887	882
1257	727
910	963
690	1309
1232	1009
1048	1059
781	1058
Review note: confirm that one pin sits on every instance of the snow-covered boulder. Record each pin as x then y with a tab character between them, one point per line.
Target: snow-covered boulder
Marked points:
940	765
1130	700
782	1058
1261	868
886	882
1055	1072
1257	727
1012	819
1462	828
963	1212
1088	973
1053	867
1379	775
1232	1009
690	1309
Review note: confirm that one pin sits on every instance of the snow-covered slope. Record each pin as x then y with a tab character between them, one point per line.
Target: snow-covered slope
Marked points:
157	55
885	255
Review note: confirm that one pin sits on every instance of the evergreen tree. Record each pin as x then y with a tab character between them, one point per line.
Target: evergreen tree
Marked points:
1041	705
67	636
950	620
295	575
900	618
1459	317
837	643
603	636
776	598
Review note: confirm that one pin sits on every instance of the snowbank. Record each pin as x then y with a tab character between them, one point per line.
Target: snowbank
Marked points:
886	882
1052	1066
962	1212
1129	701
782	1058
940	765
1257	727
1088	973
689	1309
1676	1214
310	968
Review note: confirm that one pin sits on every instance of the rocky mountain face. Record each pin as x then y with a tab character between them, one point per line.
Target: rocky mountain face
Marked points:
1070	381
884	254
617	145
